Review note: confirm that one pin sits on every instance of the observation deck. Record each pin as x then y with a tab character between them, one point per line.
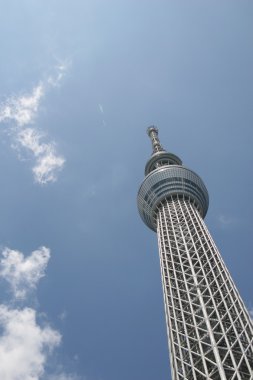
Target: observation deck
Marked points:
165	177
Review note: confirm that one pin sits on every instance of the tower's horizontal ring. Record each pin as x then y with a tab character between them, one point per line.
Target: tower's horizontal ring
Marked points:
166	181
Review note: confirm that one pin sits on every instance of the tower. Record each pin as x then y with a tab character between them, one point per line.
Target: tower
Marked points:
209	329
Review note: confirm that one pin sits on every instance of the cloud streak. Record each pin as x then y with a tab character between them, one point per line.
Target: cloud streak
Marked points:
101	109
22	111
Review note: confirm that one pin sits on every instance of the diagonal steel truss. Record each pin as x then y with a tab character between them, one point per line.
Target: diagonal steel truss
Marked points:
210	332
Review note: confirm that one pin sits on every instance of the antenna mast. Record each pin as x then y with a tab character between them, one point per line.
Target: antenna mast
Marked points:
152	131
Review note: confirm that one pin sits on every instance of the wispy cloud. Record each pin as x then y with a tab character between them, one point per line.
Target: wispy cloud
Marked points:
59	72
21	111
47	161
63	315
26	345
225	221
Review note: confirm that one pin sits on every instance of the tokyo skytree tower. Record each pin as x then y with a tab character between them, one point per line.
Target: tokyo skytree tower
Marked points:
210	332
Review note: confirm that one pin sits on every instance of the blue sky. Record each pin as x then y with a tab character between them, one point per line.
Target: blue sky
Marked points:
81	81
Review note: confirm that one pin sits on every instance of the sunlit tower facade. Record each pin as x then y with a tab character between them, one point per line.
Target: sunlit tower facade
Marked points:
210	332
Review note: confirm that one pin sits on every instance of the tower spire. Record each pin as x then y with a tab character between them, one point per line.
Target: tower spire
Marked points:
152	131
159	156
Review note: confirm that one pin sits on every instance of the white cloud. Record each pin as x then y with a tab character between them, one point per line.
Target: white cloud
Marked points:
24	345
47	161
23	110
23	273
29	138
47	167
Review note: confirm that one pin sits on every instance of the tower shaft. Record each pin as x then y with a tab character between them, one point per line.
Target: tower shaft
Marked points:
209	329
210	332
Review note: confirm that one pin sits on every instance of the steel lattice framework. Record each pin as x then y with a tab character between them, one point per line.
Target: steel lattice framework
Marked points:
209	329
